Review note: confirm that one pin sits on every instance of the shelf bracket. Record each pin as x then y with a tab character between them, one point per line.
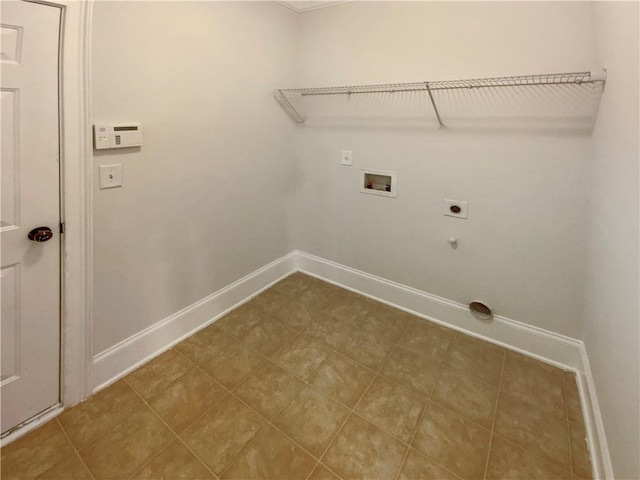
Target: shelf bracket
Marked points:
433	103
286	104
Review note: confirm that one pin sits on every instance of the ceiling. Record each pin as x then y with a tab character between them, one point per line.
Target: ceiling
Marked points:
306	5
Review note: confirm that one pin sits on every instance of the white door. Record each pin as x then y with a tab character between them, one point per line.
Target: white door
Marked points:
30	196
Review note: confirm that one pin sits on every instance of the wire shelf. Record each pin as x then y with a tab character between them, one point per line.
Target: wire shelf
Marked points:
571	78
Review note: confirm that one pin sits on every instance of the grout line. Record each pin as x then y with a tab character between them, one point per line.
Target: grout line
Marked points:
108	430
495	416
76	451
312	470
534	454
423	413
269	424
566	410
176	434
353	410
153	457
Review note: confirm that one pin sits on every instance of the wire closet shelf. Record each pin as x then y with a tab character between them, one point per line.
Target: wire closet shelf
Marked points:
571	78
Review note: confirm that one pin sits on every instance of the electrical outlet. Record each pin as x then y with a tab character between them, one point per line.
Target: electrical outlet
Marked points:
110	176
346	158
455	208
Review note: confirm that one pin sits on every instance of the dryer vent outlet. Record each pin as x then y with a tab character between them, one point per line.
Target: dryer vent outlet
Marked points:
480	310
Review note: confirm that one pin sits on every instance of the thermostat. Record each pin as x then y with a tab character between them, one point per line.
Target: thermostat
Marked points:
117	135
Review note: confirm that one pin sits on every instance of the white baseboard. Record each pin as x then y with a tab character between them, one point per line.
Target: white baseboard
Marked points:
596	437
565	352
31	424
124	357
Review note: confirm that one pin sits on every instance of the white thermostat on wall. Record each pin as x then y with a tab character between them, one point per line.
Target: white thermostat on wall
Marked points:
117	135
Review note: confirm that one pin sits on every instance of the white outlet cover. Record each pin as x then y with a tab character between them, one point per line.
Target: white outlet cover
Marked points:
463	206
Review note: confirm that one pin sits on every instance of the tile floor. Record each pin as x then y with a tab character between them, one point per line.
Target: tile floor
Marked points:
309	381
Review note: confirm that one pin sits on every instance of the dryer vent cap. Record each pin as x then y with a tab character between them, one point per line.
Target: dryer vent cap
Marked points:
480	310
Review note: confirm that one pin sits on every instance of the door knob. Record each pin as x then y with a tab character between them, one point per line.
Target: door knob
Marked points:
40	234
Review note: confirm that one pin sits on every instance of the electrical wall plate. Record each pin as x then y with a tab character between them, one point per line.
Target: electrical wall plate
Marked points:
455	208
346	158
110	176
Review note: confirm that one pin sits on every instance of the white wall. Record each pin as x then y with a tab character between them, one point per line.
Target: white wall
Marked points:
207	199
217	191
522	248
611	330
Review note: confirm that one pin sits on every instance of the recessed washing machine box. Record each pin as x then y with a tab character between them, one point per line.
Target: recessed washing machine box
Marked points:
379	182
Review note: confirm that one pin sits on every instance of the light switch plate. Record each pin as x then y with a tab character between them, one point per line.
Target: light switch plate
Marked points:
110	176
346	158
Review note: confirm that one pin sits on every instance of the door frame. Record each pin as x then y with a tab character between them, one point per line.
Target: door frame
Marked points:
76	187
76	355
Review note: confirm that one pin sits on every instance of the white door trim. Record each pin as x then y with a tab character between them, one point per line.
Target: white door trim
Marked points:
77	255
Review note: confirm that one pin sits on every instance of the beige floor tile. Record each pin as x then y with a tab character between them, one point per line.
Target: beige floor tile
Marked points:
271	456
392	408
302	356
509	462
467	396
427	340
580	459
267	336
574	408
156	375
331	331
174	462
99	414
271	300
453	441
35	453
293	285
223	432
204	345
241	320
342	379
324	290
232	363
318	296
413	371
295	314
312	419
269	389
368	349
186	399
385	322
534	382
362	450
349	308
473	356
419	467
323	473
70	468
123	450
534	429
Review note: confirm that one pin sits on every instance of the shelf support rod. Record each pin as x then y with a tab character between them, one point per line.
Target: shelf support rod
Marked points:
286	104
433	103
